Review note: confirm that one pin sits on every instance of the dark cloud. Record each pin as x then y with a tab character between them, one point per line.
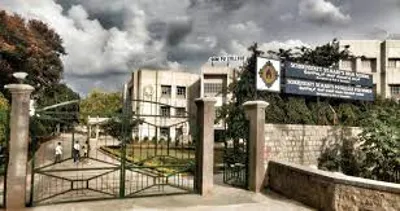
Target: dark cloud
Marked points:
158	29
107	18
178	31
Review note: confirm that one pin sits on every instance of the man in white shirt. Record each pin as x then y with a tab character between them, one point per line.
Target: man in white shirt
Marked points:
58	152
76	152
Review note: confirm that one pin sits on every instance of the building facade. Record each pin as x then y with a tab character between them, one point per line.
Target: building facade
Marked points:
380	58
164	100
171	94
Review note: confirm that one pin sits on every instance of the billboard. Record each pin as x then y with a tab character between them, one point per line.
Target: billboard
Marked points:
315	88
268	75
309	72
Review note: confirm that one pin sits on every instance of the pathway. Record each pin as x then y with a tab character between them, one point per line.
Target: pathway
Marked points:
223	198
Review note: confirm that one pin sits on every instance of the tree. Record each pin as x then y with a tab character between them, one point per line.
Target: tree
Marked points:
46	122
380	140
32	47
4	119
102	104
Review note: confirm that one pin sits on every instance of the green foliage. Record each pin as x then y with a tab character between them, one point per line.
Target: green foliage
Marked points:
4	120
381	143
102	104
376	155
120	126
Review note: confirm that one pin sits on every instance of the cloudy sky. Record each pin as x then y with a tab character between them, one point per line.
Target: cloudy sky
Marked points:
108	39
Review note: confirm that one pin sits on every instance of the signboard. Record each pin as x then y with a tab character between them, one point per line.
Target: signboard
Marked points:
227	59
302	71
314	88
268	75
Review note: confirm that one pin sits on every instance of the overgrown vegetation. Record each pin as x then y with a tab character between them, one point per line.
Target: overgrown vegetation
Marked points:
376	154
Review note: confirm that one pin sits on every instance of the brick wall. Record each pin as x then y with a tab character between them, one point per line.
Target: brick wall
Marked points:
302	144
332	191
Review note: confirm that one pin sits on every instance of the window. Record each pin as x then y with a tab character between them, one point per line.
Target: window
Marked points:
394	90
165	91
164	132
212	89
394	63
369	65
180	111
347	64
165	111
181	91
366	64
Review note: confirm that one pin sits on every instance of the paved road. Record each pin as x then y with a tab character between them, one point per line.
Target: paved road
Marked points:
223	198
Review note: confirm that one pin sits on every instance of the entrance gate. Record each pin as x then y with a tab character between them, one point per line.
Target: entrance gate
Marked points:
236	162
145	153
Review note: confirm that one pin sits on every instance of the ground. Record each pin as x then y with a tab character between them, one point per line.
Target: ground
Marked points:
223	198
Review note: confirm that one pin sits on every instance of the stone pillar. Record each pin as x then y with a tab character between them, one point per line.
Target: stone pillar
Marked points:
97	131
18	146
58	128
204	175
255	113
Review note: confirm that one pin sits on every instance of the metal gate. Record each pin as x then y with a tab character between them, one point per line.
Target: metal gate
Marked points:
235	160
145	153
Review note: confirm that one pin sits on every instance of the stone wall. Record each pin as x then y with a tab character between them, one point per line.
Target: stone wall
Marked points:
302	144
331	191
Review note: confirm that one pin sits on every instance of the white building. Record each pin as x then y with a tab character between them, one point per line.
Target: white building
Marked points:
171	93
381	58
164	99
214	83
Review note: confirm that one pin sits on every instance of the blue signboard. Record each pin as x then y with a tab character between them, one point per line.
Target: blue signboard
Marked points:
315	73
315	88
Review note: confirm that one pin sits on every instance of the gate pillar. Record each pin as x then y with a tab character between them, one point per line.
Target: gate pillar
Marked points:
18	146
204	175
255	113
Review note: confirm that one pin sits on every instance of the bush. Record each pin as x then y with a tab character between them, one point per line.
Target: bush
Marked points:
342	157
378	154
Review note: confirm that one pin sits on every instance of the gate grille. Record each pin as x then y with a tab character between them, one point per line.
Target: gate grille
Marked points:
128	155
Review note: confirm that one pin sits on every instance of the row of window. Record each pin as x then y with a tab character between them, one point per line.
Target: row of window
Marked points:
371	64
166	91
366	64
166	111
394	63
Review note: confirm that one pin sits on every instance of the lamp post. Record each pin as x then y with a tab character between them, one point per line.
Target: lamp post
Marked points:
18	143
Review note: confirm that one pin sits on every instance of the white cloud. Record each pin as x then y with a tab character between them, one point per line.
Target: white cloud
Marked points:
322	12
276	45
93	50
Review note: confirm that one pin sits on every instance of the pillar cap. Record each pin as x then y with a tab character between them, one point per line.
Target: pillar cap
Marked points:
19	87
257	103
205	99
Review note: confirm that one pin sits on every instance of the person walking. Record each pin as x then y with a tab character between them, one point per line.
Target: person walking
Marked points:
58	152
76	152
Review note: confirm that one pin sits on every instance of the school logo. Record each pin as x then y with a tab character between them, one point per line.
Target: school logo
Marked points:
268	74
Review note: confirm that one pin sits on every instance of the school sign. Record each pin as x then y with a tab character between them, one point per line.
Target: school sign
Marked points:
301	79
